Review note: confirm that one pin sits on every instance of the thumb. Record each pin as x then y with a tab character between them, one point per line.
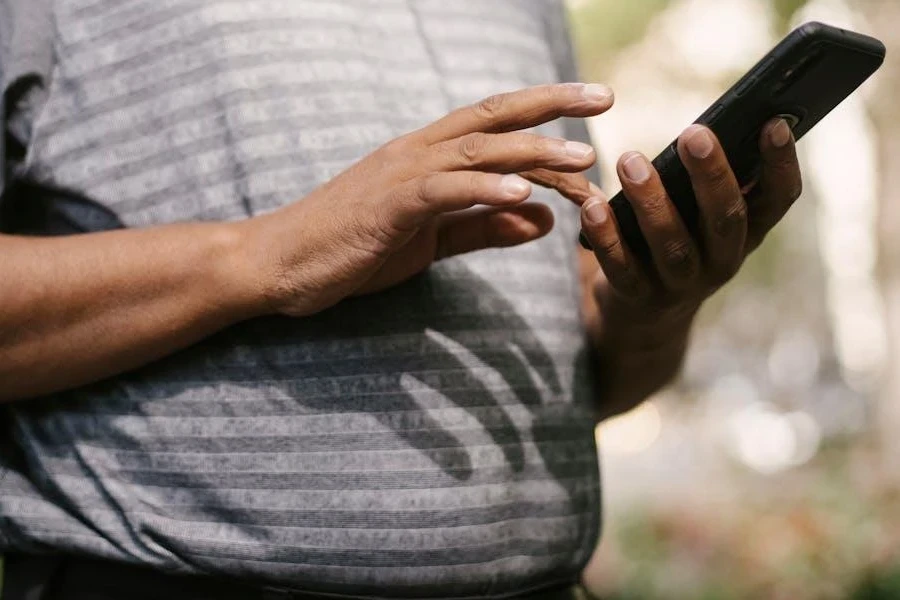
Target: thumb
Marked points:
494	227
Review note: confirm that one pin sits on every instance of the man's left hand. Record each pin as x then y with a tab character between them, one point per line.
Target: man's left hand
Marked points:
645	310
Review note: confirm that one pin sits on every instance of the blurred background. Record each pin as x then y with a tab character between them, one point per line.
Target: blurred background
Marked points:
772	468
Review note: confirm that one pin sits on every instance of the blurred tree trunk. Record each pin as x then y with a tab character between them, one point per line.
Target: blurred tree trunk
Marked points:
884	16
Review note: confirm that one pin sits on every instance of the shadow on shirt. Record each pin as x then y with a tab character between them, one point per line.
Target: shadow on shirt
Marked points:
444	339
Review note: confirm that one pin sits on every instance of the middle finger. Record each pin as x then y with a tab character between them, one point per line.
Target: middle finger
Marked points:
674	253
723	211
509	153
521	109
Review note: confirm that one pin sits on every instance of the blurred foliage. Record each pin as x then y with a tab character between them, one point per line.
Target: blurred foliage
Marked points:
602	27
877	585
824	544
828	531
785	9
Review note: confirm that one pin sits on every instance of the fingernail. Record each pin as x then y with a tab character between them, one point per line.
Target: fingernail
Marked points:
597	92
699	143
578	150
514	186
595	211
780	134
636	168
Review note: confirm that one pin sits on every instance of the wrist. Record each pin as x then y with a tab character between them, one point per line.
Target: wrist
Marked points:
236	279
647	332
658	337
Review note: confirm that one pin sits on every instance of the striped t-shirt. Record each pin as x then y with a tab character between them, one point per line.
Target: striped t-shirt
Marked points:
431	440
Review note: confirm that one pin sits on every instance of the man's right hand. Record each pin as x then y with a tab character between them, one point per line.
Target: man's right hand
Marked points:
402	207
80	308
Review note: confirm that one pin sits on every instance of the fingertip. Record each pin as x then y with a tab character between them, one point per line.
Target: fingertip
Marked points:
598	94
634	168
595	213
627	156
777	134
541	214
514	187
692	129
583	153
522	226
697	142
524	229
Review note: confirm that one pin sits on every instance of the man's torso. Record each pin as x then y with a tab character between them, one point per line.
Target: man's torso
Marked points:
433	436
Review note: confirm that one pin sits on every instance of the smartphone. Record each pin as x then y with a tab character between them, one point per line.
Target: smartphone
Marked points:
801	80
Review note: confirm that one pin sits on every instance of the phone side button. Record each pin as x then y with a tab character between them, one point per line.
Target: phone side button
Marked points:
764	68
716	111
745	85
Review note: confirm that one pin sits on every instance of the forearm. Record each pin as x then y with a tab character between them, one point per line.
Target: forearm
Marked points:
81	308
631	368
631	363
77	309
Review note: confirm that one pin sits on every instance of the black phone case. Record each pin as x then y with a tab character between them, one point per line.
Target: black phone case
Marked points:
827	64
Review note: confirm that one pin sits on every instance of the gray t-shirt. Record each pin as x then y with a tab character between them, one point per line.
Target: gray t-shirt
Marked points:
435	436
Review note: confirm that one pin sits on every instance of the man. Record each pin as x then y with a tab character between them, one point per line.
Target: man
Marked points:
285	372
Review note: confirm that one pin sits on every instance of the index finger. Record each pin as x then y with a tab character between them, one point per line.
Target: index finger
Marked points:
521	109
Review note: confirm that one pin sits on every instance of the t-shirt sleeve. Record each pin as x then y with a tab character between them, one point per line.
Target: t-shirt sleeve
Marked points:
5	40
26	62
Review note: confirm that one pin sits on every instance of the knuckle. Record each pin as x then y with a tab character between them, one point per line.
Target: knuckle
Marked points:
719	177
538	145
550	95
383	157
732	220
471	147
382	232
423	190
396	151
490	108
393	147
610	246
629	282
656	207
374	235
473	184
680	259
